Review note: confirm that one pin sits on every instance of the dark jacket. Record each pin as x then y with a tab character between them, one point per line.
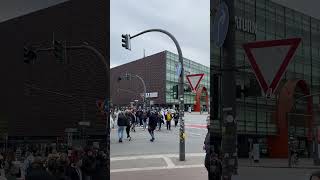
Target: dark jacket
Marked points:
71	172
122	119
133	119
139	114
39	173
176	116
153	119
88	165
144	117
101	168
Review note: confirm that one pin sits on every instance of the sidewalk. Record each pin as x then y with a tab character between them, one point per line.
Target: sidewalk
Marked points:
193	160
155	162
278	163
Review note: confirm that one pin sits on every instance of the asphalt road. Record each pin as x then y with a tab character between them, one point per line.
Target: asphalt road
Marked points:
165	141
140	159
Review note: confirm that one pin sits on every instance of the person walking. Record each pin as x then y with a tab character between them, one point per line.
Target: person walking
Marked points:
139	117
168	119
112	118
144	119
73	171
212	161
176	118
153	119
160	120
38	172
133	120
88	165
122	122
128	124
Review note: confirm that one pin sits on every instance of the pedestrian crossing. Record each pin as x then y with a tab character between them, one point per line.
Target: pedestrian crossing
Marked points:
141	134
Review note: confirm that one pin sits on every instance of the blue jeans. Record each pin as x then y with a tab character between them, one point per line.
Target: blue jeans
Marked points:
145	124
120	131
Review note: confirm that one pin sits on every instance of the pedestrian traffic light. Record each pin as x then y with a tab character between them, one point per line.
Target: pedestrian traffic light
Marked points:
59	50
29	55
175	91
126	41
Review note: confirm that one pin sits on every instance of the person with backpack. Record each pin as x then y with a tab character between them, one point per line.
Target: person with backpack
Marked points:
168	118
122	122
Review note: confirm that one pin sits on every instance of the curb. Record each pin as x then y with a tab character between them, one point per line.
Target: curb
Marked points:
281	167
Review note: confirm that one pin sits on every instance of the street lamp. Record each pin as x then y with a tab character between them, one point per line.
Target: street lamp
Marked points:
128	77
181	89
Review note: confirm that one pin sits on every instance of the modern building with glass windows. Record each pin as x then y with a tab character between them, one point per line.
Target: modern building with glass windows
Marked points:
259	118
158	72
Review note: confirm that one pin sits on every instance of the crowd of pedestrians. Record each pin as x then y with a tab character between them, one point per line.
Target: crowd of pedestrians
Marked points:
49	164
150	120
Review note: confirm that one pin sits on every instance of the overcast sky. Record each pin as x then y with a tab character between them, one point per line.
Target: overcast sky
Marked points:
13	8
187	20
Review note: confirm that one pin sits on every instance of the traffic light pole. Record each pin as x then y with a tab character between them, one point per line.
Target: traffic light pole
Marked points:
181	90
144	88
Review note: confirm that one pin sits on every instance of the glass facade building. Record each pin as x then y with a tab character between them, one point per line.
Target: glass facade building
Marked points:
191	67
272	21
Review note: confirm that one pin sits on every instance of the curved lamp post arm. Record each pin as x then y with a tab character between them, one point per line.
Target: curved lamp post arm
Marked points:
181	91
144	88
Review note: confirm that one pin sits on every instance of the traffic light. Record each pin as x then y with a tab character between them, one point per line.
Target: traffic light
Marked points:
59	50
175	91
29	55
126	41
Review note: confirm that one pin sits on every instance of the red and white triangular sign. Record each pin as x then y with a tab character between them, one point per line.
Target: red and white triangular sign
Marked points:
194	80
270	59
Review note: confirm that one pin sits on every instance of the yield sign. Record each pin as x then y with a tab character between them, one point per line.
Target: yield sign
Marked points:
270	59
194	80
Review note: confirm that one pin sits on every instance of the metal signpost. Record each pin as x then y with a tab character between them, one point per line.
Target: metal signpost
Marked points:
224	37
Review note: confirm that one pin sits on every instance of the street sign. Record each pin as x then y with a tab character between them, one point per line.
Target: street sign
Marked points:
221	24
84	123
178	69
269	60
194	80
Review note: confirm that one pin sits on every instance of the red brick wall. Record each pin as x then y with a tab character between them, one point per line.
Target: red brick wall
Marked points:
151	69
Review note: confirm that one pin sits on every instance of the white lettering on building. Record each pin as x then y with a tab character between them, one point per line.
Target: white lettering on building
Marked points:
245	25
